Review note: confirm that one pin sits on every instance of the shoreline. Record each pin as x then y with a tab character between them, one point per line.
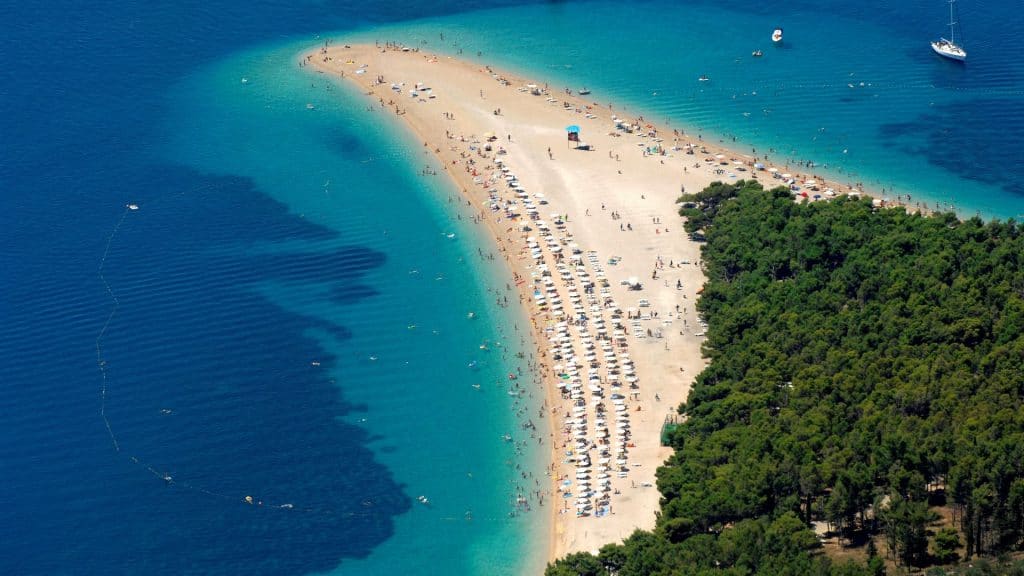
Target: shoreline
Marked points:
483	125
870	185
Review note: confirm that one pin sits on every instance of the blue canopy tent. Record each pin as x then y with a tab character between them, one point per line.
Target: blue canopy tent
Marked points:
573	133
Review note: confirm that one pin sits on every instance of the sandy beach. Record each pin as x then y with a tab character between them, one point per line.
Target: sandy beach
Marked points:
603	268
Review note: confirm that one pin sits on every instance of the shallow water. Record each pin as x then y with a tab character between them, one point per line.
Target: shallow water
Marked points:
291	319
854	87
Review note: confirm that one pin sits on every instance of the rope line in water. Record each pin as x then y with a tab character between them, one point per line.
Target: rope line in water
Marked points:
100	361
105	379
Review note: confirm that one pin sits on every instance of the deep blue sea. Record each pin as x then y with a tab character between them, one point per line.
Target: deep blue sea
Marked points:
285	315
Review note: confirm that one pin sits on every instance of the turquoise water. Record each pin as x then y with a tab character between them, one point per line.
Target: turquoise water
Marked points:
819	97
287	315
414	356
918	125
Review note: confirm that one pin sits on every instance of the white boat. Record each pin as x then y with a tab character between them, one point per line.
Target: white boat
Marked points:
949	48
777	35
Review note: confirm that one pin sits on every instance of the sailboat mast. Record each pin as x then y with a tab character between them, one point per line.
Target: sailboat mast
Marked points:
949	48
952	23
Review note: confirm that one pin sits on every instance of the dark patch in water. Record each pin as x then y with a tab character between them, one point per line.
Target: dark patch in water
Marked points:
348	293
963	138
209	383
350	146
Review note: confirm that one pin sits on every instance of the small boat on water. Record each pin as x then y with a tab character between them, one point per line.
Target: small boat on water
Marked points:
949	48
777	35
757	53
703	78
583	92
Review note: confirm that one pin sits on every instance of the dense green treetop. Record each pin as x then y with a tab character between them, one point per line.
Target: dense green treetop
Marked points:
863	361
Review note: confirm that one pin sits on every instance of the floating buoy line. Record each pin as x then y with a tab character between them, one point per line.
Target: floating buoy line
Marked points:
102	365
184	484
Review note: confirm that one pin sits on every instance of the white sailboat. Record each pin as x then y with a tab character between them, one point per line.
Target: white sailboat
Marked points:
949	48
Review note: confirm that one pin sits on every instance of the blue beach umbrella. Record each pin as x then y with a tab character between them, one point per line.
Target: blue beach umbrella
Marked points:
574	133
